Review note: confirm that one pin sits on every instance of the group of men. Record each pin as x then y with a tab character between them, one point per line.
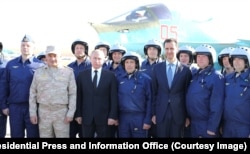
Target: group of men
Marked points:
110	93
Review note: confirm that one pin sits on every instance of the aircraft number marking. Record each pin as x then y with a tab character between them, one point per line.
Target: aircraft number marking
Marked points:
168	32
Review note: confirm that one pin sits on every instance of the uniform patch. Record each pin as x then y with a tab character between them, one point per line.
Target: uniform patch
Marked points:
122	82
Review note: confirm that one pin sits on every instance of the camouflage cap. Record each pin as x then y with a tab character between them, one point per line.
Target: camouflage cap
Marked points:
51	49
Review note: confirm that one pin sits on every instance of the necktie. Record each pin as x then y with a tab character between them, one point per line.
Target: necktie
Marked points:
95	79
170	74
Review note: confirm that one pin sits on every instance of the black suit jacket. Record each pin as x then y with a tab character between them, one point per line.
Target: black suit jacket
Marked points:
174	96
97	104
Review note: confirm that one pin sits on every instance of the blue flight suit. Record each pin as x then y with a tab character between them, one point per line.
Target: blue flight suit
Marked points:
147	68
106	65
17	80
118	71
187	130
3	117
78	68
204	101
236	115
135	104
75	128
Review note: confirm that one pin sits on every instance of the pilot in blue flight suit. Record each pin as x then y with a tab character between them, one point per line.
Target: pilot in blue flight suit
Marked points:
185	56
223	60
152	51
3	117
135	100
80	50
205	95
17	80
115	55
236	115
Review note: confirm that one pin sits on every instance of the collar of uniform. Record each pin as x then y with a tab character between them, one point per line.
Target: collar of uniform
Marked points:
124	74
59	66
206	70
155	62
119	67
76	63
175	62
29	60
243	74
230	76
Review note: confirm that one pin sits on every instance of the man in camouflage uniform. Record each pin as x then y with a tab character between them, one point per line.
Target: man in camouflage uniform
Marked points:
53	95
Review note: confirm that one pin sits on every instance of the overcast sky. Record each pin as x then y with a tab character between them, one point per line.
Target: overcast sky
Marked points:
62	21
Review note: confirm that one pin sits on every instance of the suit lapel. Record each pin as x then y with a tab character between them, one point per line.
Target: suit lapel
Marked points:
89	78
164	69
177	72
102	79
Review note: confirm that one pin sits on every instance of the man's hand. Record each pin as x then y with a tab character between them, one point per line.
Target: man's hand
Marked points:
112	121
210	132
34	120
78	120
154	119
6	111
67	120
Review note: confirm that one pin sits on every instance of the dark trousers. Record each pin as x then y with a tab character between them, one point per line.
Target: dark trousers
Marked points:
168	128
113	131
95	130
75	129
152	131
187	132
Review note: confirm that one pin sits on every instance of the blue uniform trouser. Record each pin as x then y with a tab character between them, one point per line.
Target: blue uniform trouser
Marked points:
20	121
233	129
131	126
199	129
3	124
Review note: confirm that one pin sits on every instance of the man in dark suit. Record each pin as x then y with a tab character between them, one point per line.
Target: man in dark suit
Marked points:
170	82
97	103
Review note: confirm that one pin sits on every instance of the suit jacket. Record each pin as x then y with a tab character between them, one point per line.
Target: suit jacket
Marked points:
174	96
97	104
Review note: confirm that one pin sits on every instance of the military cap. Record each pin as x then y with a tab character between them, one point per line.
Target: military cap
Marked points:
27	38
51	49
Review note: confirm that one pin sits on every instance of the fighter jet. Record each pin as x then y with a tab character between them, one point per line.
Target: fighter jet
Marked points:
156	21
